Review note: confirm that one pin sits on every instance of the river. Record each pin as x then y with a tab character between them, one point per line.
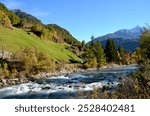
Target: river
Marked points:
67	86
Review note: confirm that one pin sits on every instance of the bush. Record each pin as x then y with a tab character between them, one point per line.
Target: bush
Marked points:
135	86
1	72
6	72
33	61
91	63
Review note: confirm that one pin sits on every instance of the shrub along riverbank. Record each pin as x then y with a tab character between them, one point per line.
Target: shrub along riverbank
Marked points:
135	86
16	77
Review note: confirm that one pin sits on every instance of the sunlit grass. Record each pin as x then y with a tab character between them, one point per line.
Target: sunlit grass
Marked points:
13	40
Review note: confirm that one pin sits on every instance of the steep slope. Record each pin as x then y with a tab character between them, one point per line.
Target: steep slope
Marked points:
13	40
31	32
60	34
50	32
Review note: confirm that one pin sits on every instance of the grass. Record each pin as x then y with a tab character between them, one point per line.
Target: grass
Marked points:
13	40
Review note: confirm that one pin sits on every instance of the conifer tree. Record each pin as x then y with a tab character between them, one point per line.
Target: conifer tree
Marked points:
111	51
92	41
99	54
122	55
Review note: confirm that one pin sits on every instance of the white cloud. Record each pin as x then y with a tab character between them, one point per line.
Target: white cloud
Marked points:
39	13
13	4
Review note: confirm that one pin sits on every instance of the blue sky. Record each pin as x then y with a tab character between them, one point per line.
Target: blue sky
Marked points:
84	18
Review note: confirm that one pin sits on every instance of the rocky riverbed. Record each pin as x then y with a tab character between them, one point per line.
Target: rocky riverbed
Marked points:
66	85
32	78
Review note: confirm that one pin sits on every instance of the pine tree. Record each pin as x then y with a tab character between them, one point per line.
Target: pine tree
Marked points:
13	18
111	51
83	43
122	55
92	41
99	54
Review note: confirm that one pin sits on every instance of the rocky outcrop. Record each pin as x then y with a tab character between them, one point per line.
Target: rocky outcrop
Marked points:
5	55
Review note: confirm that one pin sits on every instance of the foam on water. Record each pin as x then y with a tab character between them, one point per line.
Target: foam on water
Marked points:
69	83
59	77
49	88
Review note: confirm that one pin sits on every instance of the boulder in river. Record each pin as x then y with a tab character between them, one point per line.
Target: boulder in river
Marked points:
4	81
46	88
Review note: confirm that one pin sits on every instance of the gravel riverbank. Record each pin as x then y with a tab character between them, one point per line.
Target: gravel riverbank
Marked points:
31	78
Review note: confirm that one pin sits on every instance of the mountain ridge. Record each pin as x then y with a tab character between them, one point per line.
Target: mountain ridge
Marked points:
128	38
133	33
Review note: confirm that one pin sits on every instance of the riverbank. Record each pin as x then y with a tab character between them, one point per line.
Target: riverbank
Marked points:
32	78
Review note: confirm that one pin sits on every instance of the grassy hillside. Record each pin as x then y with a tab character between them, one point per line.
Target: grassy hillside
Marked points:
13	40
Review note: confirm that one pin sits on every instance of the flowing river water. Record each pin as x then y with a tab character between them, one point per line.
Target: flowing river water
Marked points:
67	86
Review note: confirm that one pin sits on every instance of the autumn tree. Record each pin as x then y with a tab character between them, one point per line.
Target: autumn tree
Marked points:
145	44
13	18
33	61
122	58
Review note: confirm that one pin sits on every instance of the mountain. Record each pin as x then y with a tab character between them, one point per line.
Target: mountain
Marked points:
133	33
17	33
60	34
51	32
128	38
21	14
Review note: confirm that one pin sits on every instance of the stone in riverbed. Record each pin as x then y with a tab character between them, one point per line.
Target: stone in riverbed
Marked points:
112	83
83	86
1	84
66	75
70	86
4	82
60	88
11	82
108	83
77	86
46	88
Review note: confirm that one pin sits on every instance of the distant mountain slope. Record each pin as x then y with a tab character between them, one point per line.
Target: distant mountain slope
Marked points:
30	18
128	44
128	38
134	33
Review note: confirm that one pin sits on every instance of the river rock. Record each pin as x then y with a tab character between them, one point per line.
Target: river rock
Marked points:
4	81
76	86
20	80
70	86
66	75
1	84
32	79
46	88
60	88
